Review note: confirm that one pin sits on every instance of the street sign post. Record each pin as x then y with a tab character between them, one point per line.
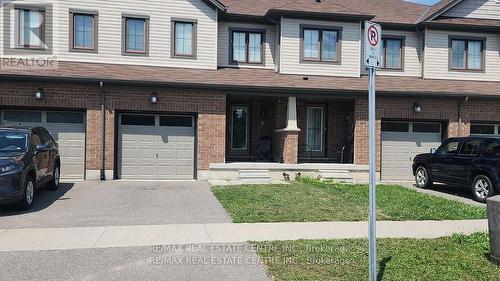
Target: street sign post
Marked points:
373	52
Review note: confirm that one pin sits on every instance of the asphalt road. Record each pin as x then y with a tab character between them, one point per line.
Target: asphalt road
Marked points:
211	262
93	203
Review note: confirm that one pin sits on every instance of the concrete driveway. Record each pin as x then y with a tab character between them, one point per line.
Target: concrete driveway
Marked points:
119	203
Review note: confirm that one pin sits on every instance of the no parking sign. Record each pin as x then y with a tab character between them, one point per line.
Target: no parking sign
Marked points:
373	44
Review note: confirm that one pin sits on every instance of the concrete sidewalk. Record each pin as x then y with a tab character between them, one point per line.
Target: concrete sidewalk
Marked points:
183	234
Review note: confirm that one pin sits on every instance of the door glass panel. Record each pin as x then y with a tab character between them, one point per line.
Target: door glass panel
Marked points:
138	120
239	128
395	127
22	116
448	148
469	148
482	129
426	127
176	121
315	128
65	117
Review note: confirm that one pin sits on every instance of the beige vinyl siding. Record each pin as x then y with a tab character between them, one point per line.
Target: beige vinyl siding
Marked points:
225	39
160	12
437	57
290	58
480	9
411	54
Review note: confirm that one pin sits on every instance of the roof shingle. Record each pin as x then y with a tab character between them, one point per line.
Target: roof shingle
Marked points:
254	80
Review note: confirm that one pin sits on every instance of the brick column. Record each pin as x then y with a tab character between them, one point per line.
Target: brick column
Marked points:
93	148
286	140
361	131
361	146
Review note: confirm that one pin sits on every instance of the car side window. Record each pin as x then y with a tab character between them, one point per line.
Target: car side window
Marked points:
35	140
492	148
470	147
45	137
448	148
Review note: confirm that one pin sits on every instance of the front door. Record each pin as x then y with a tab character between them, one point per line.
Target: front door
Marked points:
239	130
315	131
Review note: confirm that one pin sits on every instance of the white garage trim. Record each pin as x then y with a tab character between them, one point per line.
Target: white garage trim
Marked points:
403	140
68	128
156	146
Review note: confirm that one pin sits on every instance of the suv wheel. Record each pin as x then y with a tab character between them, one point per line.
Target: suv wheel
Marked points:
28	194
53	184
482	188
422	178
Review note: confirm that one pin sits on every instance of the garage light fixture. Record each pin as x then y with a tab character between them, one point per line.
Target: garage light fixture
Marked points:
153	98
417	108
39	94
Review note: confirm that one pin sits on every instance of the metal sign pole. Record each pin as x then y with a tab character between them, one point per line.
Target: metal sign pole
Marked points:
373	179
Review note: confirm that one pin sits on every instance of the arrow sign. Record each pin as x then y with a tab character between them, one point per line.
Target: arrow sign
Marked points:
373	44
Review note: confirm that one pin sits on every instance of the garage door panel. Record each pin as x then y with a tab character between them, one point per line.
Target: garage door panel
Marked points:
69	133
399	149
160	151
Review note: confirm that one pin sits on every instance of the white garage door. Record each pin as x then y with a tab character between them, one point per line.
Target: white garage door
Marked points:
159	147
401	141
67	128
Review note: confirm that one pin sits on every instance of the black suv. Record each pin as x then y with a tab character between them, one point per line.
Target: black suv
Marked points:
29	159
472	162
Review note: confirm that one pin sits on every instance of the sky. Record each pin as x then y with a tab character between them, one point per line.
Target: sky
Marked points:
426	2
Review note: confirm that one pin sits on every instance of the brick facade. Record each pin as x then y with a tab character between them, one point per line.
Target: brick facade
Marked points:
433	109
339	124
209	106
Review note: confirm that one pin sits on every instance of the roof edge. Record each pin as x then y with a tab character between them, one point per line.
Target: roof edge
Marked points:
439	12
216	4
316	15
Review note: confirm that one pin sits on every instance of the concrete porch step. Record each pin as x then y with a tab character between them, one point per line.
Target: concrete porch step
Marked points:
336	175
254	176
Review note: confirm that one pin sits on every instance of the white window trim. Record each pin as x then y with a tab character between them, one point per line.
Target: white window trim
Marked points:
246	127
322	127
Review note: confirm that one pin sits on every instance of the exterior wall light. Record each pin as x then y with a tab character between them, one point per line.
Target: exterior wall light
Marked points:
39	94
417	108
153	99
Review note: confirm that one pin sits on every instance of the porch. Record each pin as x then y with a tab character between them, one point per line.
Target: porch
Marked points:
289	130
280	138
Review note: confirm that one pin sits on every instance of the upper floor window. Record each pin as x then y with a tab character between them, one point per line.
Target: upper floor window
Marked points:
83	31
247	46
30	28
392	53
184	43
135	35
467	54
320	44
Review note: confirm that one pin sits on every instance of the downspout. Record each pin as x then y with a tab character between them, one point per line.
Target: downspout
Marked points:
460	111
103	131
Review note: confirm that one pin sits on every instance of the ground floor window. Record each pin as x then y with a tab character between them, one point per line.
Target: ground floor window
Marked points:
239	128
315	125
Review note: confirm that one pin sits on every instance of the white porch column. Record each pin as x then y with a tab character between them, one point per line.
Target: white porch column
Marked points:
291	118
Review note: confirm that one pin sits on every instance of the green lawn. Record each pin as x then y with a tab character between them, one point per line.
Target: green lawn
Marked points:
312	200
452	258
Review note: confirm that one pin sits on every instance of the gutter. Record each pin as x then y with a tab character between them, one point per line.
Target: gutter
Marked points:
103	131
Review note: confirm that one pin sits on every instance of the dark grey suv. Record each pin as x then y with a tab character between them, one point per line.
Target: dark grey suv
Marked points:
29	159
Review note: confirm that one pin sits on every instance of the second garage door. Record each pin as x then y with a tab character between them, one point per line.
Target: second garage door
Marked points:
159	147
67	128
401	141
